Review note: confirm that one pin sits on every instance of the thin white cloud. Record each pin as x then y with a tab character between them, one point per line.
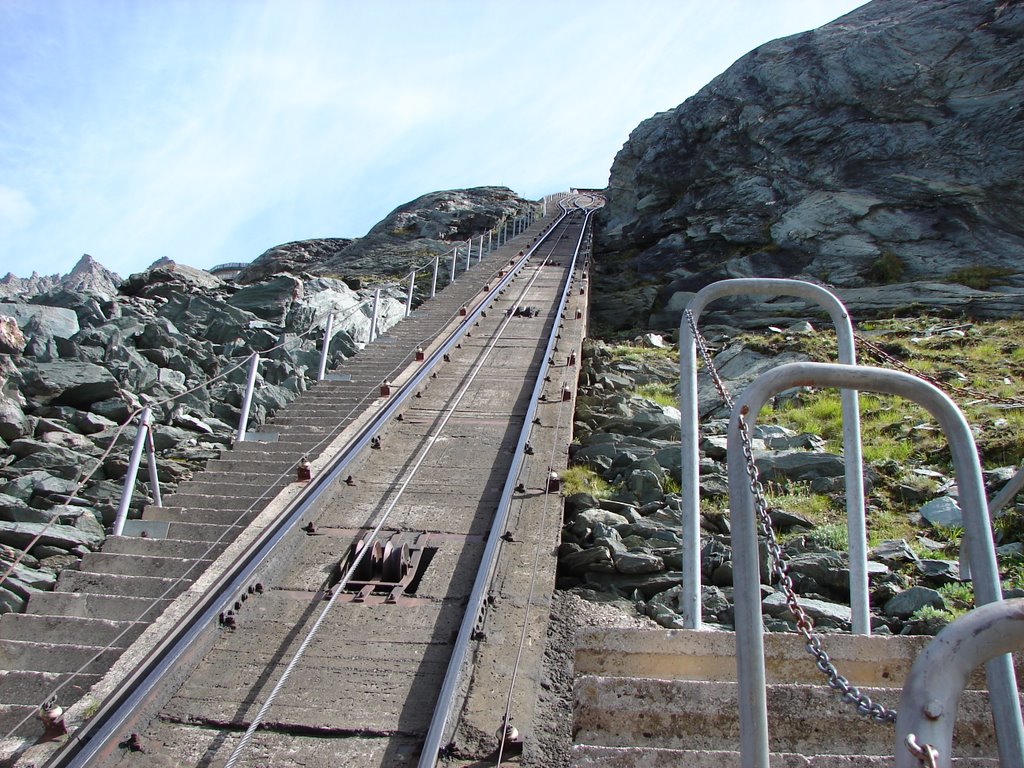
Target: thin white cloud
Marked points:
211	131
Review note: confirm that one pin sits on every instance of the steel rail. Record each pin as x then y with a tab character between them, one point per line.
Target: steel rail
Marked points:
98	736
439	729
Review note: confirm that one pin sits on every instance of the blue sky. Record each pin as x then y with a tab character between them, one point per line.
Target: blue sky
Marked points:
210	130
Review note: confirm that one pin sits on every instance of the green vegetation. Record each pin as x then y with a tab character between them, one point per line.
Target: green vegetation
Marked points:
662	394
887	268
971	361
959	597
980	278
929	614
581	479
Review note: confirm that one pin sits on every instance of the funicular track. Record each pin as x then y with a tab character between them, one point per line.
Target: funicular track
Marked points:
326	637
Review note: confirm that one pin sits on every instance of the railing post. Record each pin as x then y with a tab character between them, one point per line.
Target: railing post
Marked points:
250	384
154	476
327	343
133	470
1002	684
469	251
455	255
480	250
932	690
433	280
373	318
689	599
489	246
408	296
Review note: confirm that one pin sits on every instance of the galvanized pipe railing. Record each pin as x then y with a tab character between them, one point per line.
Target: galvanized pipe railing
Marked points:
931	692
1002	684
689	598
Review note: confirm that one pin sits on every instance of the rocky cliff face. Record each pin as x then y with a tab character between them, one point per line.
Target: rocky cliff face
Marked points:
886	146
414	233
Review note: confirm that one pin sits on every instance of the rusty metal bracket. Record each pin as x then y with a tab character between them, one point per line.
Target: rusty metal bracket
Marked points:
390	564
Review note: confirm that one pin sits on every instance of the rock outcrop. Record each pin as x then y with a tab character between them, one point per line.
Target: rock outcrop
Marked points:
411	235
884	147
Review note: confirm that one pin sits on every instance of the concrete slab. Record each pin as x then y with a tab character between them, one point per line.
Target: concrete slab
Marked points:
93	606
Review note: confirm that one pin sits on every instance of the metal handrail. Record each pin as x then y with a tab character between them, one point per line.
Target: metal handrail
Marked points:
1002	684
689	598
931	692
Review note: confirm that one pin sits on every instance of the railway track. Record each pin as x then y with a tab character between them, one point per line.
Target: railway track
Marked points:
389	610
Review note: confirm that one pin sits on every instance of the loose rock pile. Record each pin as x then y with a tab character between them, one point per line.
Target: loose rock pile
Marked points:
627	545
81	356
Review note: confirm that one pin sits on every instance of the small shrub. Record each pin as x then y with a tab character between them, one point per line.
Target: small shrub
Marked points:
959	597
832	535
581	479
980	278
887	268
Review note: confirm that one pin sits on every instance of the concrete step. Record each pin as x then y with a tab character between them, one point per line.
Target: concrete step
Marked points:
203	514
207	503
116	584
642	757
141	545
142	565
33	688
697	715
20	720
684	654
70	629
231	485
205	532
266	465
19	655
96	606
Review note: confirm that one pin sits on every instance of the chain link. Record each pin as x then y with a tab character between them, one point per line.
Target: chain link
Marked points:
926	754
895	362
780	570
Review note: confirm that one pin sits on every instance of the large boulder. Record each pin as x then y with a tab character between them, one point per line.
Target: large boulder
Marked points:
879	148
68	382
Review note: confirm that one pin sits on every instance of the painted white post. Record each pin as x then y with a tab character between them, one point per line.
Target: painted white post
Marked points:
489	233
133	470
327	343
455	255
480	250
469	250
408	296
433	280
250	384
154	477
373	319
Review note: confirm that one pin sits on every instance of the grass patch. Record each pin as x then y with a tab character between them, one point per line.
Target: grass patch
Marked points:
661	393
581	479
980	278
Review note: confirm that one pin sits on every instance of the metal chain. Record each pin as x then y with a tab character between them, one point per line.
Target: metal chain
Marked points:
926	754
780	569
895	362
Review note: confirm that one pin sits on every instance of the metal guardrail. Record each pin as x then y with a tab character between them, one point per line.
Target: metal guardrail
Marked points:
931	692
977	539
689	598
497	234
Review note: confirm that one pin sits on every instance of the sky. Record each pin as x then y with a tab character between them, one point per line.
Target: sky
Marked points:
208	131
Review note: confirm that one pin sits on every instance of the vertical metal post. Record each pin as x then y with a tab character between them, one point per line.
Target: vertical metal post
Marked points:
689	599
250	384
408	296
373	318
133	471
455	255
480	250
433	280
489	246
327	343
469	251
544	211
154	476
1002	684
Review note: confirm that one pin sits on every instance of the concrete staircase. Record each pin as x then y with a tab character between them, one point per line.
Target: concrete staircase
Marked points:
669	697
95	612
